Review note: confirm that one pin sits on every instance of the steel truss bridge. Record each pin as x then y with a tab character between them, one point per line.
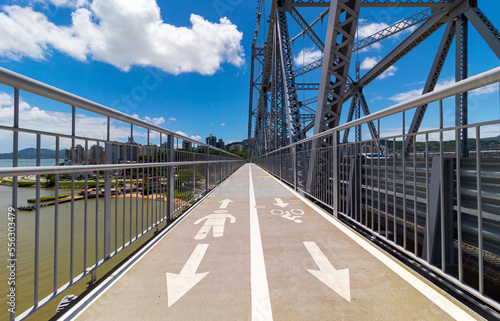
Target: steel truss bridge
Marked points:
403	187
426	194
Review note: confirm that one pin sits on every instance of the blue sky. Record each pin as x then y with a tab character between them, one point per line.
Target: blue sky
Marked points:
186	65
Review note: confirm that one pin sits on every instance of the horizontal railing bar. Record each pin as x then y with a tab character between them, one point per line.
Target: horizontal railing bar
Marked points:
484	79
36	87
42	170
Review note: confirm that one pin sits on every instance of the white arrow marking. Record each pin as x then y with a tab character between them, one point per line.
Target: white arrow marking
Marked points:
280	203
180	284
225	203
337	280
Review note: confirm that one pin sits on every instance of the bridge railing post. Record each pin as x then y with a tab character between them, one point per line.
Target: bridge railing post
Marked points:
335	173
294	166
170	177
207	169
107	196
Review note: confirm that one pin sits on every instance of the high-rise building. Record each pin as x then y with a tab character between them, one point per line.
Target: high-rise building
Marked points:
130	151
220	144
113	151
211	140
186	145
97	154
76	155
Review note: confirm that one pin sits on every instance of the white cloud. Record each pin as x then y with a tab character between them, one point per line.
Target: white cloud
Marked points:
65	3
368	63
154	120
418	92
391	71
123	33
223	124
367	29
406	95
485	90
306	56
32	117
172	119
194	137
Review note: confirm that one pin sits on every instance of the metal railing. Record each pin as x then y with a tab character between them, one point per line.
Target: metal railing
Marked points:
436	205
115	193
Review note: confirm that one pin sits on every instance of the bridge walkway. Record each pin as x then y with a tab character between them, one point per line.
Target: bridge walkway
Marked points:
253	249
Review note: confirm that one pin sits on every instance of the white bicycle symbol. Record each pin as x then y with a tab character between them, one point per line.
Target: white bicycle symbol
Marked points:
291	215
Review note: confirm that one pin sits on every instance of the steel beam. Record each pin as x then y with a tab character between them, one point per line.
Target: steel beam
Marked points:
307	29
290	93
289	86
432	79
377	3
309	67
393	29
250	107
366	112
353	107
342	24
307	86
320	17
485	28
413	40
461	73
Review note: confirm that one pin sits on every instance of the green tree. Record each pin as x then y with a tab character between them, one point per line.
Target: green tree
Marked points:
186	179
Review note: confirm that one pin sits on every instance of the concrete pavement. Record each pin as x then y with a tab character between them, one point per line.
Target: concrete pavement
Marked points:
253	250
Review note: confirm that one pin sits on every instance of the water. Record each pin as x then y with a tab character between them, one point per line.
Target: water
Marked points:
29	162
125	223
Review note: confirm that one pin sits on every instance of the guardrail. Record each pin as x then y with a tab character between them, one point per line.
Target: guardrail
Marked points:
423	202
119	194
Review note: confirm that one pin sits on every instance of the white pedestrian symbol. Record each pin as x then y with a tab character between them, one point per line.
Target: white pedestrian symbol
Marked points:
215	222
291	215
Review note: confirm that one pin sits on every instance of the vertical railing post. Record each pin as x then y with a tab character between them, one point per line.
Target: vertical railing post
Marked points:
107	202
107	194
281	164
207	170
13	209
294	166
335	173
170	178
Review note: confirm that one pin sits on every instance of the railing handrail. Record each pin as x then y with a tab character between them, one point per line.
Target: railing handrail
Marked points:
18	81
42	170
480	80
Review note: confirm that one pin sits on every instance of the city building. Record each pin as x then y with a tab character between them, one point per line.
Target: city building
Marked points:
97	154
220	144
75	155
114	149
129	151
211	140
237	147
186	145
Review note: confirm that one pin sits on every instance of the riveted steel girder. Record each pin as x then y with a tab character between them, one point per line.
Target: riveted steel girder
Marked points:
342	24
289	86
418	36
485	28
437	66
307	29
377	3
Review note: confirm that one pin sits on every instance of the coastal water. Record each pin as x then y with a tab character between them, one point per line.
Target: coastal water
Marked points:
29	162
84	218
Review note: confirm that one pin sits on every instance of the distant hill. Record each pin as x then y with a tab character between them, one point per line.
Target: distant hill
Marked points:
30	153
243	142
